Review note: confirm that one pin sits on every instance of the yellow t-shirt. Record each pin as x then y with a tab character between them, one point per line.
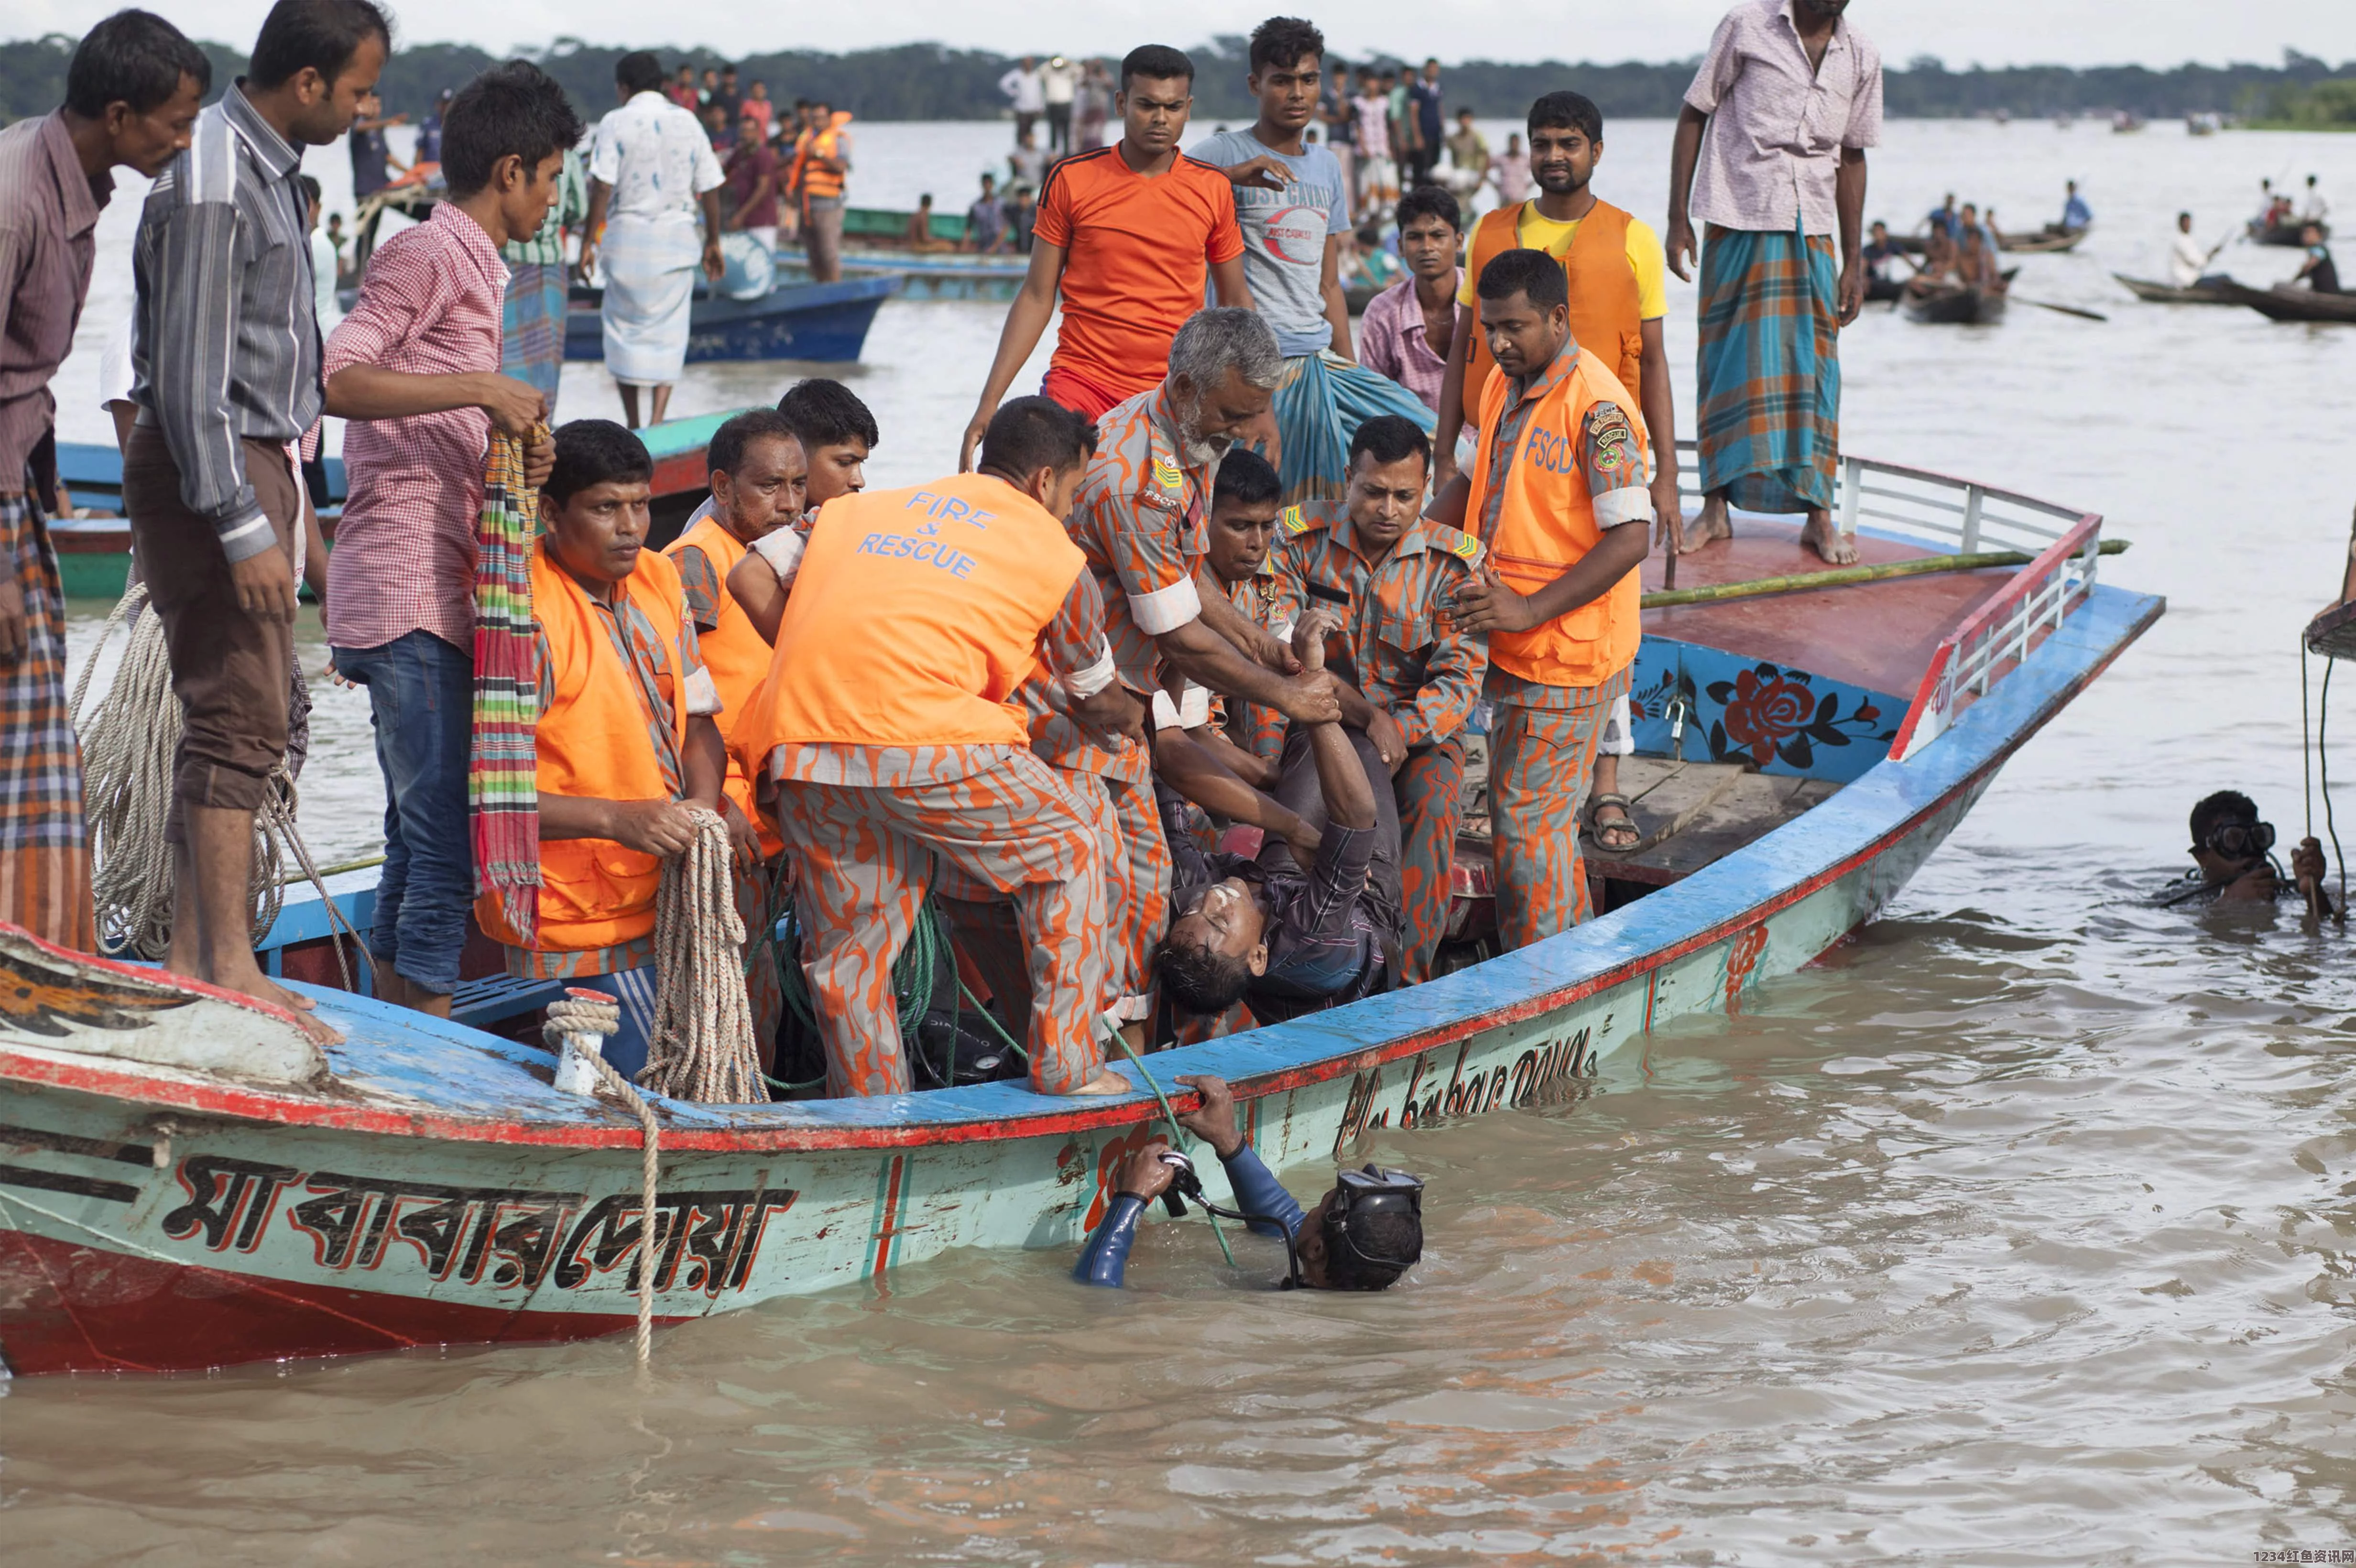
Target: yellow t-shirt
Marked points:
1645	256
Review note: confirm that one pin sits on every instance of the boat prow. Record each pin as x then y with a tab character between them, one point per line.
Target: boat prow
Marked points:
2168	294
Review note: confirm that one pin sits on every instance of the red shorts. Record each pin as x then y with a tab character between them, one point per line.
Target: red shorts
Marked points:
1084	395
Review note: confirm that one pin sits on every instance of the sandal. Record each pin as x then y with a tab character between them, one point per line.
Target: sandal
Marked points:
1628	836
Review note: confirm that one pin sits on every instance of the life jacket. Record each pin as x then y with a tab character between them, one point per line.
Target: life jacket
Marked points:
593	743
1605	310
1546	525
823	184
915	614
735	653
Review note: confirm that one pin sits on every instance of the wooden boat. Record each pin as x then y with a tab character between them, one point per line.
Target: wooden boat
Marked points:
2168	294
94	548
826	322
184	1185
2292	234
2050	241
923	274
1956	304
2287	302
1878	286
2124	121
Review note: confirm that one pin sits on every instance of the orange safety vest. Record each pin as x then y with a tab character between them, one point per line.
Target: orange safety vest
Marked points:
593	744
735	653
811	145
1546	525
914	615
1606	317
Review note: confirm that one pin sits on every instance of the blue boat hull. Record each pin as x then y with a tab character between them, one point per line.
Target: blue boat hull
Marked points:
822	321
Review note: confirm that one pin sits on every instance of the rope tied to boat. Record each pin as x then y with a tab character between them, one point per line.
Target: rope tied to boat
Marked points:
703	1045
591	1018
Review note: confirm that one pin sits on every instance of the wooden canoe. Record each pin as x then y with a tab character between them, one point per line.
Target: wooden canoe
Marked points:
2286	302
2168	294
1956	306
2050	241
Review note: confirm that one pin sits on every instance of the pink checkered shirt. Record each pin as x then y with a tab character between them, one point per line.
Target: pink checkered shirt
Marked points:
1776	127
1391	341
404	555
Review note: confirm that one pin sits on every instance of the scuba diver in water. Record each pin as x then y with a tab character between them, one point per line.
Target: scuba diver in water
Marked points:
1362	1235
2233	864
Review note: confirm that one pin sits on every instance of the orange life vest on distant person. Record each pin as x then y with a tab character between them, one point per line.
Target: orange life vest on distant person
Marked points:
914	615
735	653
1547	524
593	743
1606	312
811	145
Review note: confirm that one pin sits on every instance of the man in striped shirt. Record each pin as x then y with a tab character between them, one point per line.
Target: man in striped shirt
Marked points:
225	353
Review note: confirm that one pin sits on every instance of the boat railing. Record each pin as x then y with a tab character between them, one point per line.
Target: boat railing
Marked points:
1937	508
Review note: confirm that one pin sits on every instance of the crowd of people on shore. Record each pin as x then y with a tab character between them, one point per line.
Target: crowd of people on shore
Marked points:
1160	697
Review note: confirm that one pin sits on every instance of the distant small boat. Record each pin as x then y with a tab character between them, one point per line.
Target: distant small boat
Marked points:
2285	301
2204	125
823	322
2124	122
2168	294
2292	234
1956	304
2049	241
923	274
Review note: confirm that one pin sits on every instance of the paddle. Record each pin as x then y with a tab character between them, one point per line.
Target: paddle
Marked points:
2063	309
1843	576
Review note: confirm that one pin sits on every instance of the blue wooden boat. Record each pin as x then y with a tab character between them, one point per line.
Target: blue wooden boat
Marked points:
826	322
184	1183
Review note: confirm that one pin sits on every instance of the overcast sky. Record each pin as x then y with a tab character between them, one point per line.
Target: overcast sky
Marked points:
1992	32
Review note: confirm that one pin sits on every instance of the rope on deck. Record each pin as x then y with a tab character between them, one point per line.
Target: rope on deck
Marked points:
703	1045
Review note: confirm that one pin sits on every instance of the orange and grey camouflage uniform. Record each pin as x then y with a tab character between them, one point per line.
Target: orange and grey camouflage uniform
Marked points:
1139	518
1403	654
1542	739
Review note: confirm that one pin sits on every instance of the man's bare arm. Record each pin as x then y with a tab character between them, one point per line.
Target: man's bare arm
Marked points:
1026	322
1685	151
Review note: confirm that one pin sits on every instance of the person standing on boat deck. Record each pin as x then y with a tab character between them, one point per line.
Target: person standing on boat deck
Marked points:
651	174
1124	236
1769	158
760	481
884	726
1059	84
2233	863
821	164
1559	494
225	348
1619	296
625	740
371	155
133	90
1427	108
532	317
753	183
1026	90
1363	1234
1410	677
415	368
1138	518
1411	327
1295	215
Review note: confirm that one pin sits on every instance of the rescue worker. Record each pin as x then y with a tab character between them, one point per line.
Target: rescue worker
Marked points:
759	477
1138	519
1557	498
1246	502
626	739
913	616
1414	675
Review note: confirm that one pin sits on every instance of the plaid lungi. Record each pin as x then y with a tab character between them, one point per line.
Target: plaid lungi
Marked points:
1769	368
44	851
1320	404
531	327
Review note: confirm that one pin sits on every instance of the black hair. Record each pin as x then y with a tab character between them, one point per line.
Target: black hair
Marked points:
1198	980
1159	63
1532	273
731	440
1283	41
827	413
1385	1234
596	452
1463	110
1430	202
1390	438
1567	110
513	109
322	34
1027	434
2225	805
310	189
135	58
1248	479
639	71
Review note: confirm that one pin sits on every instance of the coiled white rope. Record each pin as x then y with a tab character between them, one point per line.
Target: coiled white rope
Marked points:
703	1045
594	1019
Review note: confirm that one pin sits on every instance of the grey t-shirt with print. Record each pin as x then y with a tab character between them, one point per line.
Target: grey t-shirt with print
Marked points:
1285	233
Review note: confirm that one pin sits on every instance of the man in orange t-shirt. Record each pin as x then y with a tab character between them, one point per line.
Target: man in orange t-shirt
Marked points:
1125	234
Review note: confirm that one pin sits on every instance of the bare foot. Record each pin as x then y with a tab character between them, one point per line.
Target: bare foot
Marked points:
1820	536
1712	522
1106	1081
261	988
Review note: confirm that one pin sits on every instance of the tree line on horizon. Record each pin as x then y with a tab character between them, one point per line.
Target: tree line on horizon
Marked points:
931	81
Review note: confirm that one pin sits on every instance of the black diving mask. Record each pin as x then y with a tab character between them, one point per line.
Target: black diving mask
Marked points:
2240	840
1363	1192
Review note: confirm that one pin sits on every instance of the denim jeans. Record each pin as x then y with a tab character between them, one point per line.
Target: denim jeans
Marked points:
422	701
